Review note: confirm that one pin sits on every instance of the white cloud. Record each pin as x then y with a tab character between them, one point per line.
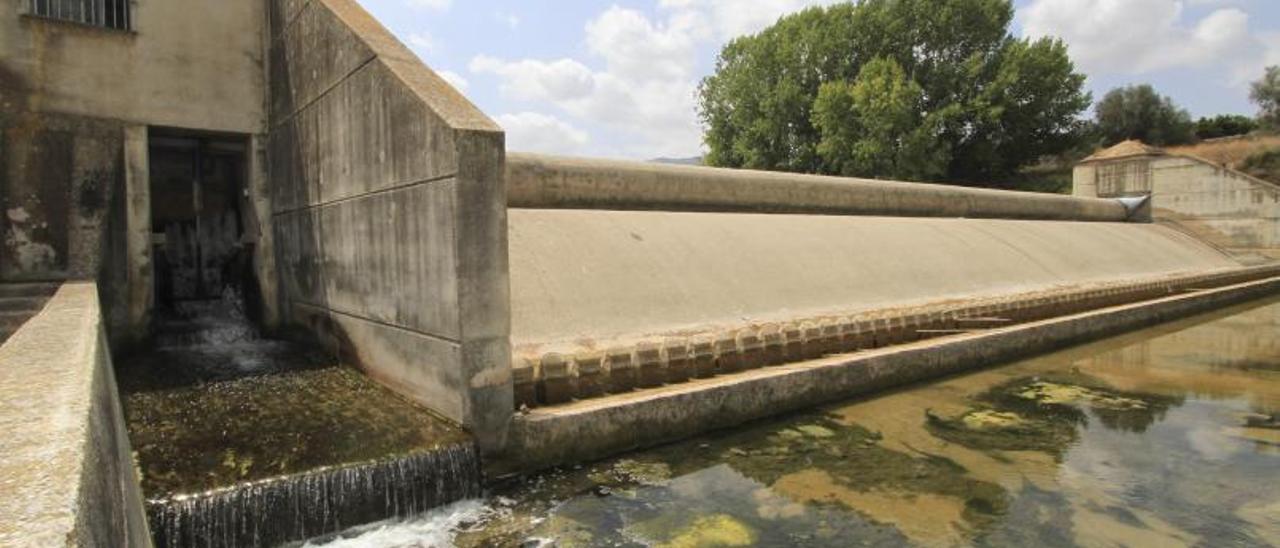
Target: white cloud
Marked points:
532	80
1144	36
732	18
641	79
422	43
634	47
456	80
437	5
536	132
511	20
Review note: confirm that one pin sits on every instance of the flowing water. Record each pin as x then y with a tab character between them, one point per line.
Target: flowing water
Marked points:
246	441
1167	437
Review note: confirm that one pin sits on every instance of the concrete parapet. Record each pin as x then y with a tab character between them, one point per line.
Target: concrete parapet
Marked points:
585	431
389	211
68	473
549	182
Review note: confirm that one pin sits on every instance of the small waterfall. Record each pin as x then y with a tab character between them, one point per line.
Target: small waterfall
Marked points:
319	502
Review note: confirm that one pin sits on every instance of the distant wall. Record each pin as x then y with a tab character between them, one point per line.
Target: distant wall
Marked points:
389	212
550	182
1224	207
69	475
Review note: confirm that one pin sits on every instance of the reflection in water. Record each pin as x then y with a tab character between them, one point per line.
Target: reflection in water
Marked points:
1166	437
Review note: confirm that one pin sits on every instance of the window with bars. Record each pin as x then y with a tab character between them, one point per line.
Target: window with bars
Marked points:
1124	179
111	14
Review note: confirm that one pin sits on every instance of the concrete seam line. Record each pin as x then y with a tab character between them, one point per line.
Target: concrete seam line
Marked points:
319	96
375	321
289	23
371	193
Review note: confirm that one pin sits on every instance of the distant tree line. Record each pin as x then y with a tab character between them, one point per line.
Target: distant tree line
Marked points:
925	90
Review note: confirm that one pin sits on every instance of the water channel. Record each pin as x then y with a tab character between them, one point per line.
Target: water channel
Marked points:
1165	437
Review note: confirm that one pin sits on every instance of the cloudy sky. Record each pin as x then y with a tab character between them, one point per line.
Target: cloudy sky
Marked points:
617	78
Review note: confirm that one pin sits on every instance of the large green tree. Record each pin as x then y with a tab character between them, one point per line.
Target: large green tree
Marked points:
1138	112
917	89
1266	93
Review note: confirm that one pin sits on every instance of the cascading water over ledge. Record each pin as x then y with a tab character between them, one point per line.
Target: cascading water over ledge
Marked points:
289	508
246	441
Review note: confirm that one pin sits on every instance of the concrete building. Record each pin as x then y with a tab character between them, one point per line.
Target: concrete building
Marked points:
1227	208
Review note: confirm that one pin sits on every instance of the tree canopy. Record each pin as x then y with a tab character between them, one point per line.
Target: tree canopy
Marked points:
1266	93
1138	112
915	89
1224	125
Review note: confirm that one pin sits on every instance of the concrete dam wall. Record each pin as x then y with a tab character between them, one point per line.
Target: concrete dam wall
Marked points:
551	305
580	279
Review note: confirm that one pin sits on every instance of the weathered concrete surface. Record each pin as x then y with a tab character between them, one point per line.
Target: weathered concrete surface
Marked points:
584	279
185	65
556	378
68	476
389	213
550	182
591	429
139	273
58	176
71	96
1227	208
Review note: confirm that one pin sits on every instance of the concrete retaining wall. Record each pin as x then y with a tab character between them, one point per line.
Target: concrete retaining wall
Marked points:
389	212
1227	208
591	429
68	476
550	182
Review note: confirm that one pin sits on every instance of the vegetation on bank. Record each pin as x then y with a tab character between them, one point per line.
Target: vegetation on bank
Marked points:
934	91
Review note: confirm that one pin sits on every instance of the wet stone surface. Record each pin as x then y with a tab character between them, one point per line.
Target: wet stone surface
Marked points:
1159	438
214	406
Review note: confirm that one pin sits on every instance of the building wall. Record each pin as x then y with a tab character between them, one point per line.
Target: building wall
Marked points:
1226	208
69	96
390	213
185	64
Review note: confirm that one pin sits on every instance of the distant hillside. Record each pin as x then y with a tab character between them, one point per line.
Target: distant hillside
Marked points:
693	161
1230	151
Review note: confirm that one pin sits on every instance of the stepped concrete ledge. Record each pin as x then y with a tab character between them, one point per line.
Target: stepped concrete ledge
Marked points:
595	428
68	477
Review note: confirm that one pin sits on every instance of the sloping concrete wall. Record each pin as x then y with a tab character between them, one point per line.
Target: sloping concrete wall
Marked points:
1227	208
389	212
584	279
68	473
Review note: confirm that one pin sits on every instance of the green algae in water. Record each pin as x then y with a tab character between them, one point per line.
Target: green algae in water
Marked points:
852	456
1045	414
215	435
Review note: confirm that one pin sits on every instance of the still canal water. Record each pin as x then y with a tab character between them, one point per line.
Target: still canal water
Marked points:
1166	437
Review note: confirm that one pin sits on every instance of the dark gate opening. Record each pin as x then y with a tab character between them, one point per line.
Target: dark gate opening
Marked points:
197	202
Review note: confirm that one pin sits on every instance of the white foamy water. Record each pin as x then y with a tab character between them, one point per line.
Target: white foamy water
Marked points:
434	529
